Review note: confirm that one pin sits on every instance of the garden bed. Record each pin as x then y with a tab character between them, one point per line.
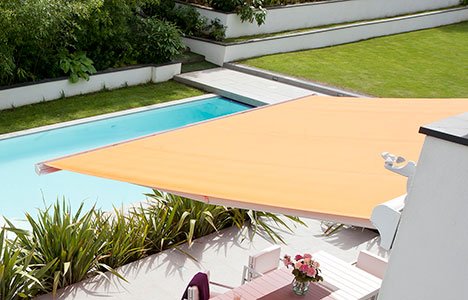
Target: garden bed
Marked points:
65	246
29	93
290	17
219	52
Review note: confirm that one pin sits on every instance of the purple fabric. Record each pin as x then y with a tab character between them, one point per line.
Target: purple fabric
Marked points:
200	280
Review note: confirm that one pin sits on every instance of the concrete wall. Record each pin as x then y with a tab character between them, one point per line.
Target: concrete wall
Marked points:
430	255
323	13
219	53
55	89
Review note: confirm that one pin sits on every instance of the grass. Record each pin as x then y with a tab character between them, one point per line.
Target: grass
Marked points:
77	107
197	66
281	33
429	63
307	29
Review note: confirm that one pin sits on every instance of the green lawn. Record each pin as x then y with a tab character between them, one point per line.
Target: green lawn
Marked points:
197	66
93	104
428	63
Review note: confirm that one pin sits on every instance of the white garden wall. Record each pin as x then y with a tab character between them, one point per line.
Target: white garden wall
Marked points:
55	89
219	53
322	13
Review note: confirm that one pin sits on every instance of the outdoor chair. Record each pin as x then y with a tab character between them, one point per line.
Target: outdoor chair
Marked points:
199	287
372	264
261	263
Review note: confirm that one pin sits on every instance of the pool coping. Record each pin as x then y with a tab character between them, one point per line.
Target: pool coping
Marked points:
104	116
294	81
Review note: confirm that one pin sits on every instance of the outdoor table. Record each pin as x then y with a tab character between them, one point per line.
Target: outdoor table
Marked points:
342	281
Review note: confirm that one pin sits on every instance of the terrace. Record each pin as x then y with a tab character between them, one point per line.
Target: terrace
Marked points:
160	260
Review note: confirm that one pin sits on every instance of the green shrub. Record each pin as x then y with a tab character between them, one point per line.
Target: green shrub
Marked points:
105	34
77	65
7	64
69	244
251	11
63	247
185	219
248	10
174	220
19	278
226	5
214	30
155	40
188	19
126	238
45	38
31	38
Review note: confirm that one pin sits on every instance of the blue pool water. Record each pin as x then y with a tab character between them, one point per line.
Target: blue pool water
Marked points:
22	190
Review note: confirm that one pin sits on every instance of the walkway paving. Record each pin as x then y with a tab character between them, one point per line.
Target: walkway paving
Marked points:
165	275
242	87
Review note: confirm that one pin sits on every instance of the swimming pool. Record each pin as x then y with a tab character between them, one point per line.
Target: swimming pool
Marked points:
23	190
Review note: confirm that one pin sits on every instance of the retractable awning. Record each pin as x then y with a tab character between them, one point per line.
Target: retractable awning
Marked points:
315	157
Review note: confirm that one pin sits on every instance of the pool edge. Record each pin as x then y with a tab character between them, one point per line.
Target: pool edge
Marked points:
103	116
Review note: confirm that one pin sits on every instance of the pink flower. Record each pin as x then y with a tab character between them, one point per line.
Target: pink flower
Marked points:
304	267
287	260
311	272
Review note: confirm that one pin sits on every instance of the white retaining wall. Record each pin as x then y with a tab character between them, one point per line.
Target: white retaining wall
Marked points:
219	53
322	13
55	89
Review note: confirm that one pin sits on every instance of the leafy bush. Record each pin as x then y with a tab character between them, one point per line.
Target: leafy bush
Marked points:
226	5
248	10
127	237
156	41
200	219
188	19
77	65
287	2
18	280
69	244
30	34
214	30
190	22
105	33
251	11
39	38
63	247
181	219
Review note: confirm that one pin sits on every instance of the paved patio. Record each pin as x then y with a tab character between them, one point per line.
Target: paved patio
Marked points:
165	275
243	87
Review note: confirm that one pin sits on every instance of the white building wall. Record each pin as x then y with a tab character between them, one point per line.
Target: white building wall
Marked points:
429	260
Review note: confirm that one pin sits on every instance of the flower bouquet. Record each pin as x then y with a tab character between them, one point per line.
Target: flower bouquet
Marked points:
305	270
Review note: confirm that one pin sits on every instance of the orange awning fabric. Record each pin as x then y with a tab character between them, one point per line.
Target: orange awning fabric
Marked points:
315	157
